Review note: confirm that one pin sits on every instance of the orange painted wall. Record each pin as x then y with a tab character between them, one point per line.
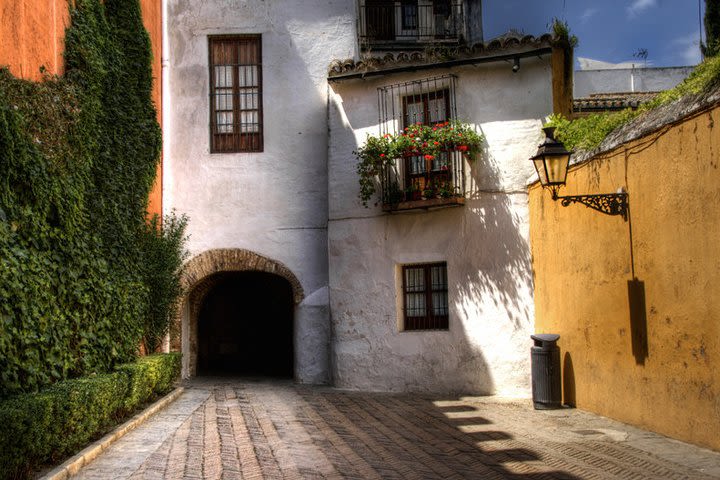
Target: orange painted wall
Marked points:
644	351
152	19
32	35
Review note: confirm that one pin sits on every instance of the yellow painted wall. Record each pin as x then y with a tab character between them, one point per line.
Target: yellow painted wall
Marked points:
583	262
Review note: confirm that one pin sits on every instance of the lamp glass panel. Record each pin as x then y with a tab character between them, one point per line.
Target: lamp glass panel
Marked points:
540	167
556	168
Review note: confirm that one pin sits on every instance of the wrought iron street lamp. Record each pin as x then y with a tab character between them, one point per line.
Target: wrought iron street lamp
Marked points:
551	163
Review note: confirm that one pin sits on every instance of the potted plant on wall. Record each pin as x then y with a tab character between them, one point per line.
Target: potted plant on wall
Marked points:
379	152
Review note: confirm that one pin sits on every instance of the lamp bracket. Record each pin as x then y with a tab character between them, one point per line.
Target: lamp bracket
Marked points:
607	203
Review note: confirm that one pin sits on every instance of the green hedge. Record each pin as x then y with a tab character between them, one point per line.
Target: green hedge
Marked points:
42	427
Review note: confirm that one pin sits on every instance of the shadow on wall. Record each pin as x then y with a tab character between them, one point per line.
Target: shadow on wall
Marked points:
568	380
369	350
505	276
638	320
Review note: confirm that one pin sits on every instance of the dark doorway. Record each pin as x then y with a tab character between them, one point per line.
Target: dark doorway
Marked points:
245	326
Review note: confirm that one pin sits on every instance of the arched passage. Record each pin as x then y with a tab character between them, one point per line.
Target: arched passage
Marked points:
245	326
210	270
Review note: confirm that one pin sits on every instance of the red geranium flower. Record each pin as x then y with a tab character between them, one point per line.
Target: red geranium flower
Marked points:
462	148
429	157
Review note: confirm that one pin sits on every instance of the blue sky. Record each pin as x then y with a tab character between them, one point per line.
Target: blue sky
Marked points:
608	30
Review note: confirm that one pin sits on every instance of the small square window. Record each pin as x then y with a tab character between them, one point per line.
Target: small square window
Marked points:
425	296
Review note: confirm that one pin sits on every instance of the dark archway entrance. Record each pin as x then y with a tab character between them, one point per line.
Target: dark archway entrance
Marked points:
245	326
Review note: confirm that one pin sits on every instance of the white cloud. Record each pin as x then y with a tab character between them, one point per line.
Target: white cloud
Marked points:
639	6
689	49
588	14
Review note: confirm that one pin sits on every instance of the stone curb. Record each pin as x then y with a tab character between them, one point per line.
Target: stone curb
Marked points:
79	460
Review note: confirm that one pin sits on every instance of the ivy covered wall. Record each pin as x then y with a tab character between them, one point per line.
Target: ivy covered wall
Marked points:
84	277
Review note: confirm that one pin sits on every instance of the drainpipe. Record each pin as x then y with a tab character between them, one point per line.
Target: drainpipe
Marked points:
164	98
165	116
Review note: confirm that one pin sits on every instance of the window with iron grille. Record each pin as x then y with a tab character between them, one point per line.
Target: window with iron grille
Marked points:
428	102
235	94
425	296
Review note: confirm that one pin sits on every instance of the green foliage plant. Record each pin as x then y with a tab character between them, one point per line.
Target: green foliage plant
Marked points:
561	33
163	249
379	152
45	426
83	276
712	28
586	133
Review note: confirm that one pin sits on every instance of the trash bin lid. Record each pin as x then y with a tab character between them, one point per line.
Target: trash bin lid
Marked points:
545	339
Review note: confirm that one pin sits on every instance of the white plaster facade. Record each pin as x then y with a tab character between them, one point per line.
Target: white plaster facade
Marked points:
297	204
485	244
617	80
273	203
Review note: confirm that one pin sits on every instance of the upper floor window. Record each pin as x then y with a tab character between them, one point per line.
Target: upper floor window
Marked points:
385	22
420	181
236	94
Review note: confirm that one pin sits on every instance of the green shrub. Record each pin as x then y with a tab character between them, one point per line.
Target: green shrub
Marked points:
37	428
163	256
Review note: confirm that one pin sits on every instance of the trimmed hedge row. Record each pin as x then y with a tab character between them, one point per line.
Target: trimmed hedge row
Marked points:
44	427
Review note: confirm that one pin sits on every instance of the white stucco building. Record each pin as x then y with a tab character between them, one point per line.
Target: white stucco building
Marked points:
290	274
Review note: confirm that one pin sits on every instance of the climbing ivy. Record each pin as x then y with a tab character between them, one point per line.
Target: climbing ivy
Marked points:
79	261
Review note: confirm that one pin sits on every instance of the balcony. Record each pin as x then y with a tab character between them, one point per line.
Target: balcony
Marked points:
388	24
420	182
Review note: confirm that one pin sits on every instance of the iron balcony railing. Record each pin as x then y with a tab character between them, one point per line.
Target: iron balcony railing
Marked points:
417	182
405	22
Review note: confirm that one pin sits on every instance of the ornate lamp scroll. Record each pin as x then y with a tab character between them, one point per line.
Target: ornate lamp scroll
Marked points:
551	163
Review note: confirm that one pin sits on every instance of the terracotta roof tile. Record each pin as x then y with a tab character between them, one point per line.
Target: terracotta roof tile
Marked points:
507	44
612	101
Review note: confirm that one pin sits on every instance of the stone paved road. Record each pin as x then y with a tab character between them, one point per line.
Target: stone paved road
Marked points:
233	429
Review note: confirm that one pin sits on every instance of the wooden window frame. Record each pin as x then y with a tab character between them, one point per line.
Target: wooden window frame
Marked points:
429	321
429	174
238	139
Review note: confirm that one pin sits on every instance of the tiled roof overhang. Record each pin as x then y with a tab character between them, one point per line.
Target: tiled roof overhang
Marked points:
601	102
500	49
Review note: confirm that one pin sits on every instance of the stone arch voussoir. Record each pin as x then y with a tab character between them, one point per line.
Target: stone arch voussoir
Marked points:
200	274
211	262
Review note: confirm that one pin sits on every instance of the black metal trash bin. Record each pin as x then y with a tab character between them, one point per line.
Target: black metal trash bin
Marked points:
545	362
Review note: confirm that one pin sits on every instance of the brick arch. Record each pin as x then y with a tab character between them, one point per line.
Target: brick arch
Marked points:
205	271
203	266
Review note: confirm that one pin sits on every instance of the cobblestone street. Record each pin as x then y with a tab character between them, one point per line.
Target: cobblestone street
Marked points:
230	429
